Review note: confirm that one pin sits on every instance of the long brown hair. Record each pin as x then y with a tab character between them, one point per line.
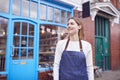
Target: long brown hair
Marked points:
81	30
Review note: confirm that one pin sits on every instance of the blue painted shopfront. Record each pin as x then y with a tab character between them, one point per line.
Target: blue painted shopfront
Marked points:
23	20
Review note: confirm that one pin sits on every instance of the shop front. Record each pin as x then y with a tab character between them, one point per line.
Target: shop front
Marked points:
29	31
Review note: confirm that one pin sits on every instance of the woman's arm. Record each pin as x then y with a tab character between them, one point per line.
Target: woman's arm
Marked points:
57	59
89	62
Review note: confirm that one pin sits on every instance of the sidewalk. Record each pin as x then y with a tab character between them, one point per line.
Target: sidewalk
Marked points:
110	75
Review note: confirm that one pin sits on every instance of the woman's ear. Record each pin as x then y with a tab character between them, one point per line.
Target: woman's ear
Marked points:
79	27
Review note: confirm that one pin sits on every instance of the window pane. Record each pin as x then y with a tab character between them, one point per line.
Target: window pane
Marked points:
63	17
24	28
57	15
31	41
50	14
16	28
33	10
15	53
42	12
4	6
16	41
16	7
3	42
25	8
30	54
68	15
24	42
23	53
31	29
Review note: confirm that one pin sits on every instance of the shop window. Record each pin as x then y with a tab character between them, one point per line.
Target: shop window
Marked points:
49	36
4	6
42	12
33	10
25	8
3	42
57	15
50	13
16	7
63	16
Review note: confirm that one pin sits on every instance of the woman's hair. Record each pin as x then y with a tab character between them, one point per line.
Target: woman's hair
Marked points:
81	31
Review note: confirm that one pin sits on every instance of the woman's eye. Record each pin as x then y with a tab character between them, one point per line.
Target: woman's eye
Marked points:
72	23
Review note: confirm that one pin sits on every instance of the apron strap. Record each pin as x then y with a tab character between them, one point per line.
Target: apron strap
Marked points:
80	44
67	43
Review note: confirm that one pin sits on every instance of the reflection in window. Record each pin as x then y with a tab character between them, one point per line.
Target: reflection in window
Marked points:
42	12
68	15
24	28
3	42
15	53
25	8
33	10
30	54
31	30
50	14
16	41
24	42
23	53
57	15
63	16
31	41
16	28
16	7
4	6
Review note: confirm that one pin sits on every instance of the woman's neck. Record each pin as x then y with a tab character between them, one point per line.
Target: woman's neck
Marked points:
74	37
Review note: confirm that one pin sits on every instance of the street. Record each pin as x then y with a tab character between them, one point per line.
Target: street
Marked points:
110	75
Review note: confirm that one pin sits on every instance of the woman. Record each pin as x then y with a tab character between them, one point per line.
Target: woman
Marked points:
73	55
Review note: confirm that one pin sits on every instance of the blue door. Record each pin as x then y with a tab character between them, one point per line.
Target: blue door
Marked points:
23	59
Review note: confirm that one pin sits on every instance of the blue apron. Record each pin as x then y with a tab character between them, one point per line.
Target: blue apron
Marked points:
73	65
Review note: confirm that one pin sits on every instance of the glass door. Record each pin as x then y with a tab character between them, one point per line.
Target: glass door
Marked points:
23	49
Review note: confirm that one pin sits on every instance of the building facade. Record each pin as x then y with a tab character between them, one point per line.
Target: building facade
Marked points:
30	29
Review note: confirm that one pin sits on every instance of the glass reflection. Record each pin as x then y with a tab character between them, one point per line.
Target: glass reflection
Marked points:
33	10
16	28
25	8
31	30
4	6
30	54
16	7
57	15
42	12
3	42
50	14
24	28
63	16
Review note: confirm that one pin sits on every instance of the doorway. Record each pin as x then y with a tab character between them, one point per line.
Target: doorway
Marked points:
22	51
102	50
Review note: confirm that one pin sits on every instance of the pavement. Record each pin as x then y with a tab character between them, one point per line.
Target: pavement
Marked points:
109	75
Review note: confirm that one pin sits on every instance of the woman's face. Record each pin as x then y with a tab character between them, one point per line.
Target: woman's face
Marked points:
72	27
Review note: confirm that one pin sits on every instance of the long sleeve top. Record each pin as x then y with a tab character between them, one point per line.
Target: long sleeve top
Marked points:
73	46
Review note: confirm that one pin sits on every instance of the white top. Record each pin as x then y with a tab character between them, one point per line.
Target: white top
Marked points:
73	46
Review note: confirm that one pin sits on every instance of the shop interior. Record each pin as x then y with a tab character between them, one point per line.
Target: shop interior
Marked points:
49	36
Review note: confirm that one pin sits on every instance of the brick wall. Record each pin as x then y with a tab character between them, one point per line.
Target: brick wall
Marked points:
115	46
116	3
